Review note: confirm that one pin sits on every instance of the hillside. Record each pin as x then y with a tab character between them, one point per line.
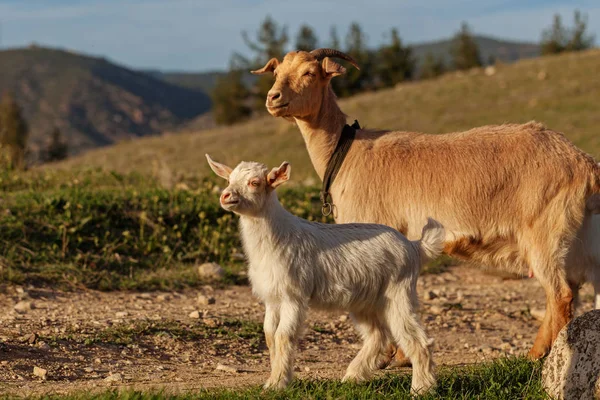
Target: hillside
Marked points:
558	91
499	49
93	101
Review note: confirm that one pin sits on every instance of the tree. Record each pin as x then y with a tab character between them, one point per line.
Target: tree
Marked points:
554	39
354	80
58	148
395	62
337	84
432	67
271	41
230	98
579	39
465	52
306	39
557	38
13	131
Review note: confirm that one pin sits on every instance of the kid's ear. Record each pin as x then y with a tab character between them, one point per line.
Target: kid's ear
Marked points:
220	169
279	175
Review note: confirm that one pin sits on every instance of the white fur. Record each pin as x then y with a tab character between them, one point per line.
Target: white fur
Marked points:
369	270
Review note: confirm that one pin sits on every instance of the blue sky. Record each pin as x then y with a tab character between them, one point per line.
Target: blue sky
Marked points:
198	35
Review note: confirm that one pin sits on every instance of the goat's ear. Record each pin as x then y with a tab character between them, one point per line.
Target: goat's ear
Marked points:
331	68
220	169
279	175
269	67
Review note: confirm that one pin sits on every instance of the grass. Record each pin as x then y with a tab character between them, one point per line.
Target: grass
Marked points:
558	91
133	332
505	378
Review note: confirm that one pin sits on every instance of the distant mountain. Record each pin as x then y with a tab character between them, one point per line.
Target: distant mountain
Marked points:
93	101
204	81
498	49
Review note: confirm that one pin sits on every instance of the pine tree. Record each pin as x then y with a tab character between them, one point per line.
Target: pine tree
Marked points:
579	39
230	97
395	62
432	67
13	131
465	52
355	80
271	41
554	39
338	83
306	39
58	148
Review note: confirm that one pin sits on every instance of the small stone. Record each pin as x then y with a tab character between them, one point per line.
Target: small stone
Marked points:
489	70
343	318
429	295
163	297
226	368
436	310
205	300
121	314
29	338
211	271
307	369
194	314
97	361
114	378
538	313
88	369
23	306
40	372
210	322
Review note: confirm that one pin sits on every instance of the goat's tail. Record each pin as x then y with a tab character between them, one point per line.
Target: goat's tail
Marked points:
432	240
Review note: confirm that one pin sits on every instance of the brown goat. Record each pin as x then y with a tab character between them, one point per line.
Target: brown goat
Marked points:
510	196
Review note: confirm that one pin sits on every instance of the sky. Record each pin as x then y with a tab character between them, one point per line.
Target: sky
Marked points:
201	35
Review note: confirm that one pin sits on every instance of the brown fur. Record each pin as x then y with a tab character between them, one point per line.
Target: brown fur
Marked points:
510	196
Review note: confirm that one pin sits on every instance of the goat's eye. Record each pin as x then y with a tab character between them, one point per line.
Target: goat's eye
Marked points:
254	183
308	73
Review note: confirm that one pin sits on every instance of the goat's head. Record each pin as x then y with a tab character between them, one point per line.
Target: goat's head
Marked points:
249	184
300	81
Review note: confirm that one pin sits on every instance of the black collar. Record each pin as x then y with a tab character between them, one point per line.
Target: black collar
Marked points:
335	163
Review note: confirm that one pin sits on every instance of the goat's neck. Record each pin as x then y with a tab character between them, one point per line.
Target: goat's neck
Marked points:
268	223
322	131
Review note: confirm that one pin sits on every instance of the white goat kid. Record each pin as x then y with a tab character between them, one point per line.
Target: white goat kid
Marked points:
369	270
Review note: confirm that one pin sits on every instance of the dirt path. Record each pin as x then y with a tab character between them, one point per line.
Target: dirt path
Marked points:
92	340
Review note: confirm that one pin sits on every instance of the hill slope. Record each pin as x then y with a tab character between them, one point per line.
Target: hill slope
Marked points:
93	101
558	91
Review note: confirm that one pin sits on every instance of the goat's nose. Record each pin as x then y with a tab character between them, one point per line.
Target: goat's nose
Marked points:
274	95
225	196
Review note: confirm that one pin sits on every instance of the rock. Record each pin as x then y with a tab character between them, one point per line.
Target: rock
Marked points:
537	313
121	314
114	378
23	306
343	318
40	372
205	300
436	310
88	369
430	295
490	70
29	338
226	368
163	297
572	369
211	271
194	314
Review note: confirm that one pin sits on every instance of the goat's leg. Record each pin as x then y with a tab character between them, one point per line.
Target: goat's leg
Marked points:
291	317
270	327
559	304
365	363
408	333
596	283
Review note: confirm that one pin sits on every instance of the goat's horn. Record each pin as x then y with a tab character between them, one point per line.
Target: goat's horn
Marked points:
322	53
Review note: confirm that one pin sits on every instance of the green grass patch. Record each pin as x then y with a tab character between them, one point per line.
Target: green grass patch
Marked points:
109	231
505	378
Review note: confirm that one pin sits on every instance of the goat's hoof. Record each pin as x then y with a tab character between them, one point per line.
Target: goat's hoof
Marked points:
537	354
275	384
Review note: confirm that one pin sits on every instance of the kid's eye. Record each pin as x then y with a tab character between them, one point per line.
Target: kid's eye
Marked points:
254	183
308	73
